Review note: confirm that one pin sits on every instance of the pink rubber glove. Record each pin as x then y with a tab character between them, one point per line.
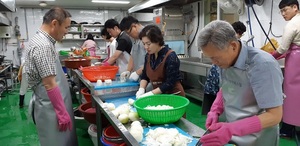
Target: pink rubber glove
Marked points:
216	110
63	117
222	132
282	56
105	64
276	55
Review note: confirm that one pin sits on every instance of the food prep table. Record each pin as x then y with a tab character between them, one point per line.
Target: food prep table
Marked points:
97	100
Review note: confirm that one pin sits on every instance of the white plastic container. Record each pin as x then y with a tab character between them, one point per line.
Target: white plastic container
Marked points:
93	134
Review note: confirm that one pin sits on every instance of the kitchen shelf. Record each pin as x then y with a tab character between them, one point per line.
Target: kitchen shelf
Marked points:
75	32
85	29
92	25
92	32
82	39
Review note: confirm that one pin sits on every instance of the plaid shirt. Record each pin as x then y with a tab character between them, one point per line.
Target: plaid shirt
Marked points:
40	58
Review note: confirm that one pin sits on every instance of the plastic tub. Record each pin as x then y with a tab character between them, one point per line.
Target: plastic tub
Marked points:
76	63
86	94
89	114
79	120
94	73
92	130
111	135
107	143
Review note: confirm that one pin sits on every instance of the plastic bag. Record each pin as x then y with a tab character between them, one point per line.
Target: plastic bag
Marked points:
268	47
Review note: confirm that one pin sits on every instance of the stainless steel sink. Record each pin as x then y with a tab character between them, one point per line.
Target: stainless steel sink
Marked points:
195	65
197	59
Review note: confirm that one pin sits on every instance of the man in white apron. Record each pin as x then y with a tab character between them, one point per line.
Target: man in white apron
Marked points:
133	28
51	101
251	90
122	56
290	46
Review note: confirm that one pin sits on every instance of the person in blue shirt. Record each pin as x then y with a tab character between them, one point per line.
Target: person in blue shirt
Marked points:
211	89
250	95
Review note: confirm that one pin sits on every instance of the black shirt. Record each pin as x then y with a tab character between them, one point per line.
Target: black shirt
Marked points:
123	43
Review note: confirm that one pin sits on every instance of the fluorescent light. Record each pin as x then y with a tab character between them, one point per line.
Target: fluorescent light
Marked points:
43	4
110	2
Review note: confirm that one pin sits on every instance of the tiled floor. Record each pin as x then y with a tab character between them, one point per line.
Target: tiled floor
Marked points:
16	129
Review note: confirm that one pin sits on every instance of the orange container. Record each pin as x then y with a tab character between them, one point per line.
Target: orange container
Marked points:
94	73
86	94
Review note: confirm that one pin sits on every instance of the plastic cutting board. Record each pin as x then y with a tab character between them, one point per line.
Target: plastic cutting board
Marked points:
115	84
123	100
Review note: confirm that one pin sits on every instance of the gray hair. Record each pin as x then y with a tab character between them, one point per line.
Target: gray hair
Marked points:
218	32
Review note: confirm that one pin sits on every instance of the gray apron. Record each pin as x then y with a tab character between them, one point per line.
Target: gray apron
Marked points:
239	103
45	116
138	53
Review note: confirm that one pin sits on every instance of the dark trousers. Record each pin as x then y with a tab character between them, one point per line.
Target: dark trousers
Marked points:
207	102
287	129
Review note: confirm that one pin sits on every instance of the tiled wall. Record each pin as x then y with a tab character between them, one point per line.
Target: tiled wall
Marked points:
30	19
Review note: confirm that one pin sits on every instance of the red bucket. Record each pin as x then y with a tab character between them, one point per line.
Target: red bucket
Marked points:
86	94
108	143
89	114
111	135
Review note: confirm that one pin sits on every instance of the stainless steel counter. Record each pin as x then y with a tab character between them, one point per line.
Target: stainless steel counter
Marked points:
195	65
183	124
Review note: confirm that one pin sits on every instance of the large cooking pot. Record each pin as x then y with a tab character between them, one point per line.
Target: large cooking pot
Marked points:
75	63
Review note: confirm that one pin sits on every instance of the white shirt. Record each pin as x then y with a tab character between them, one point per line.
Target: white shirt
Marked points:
291	34
112	47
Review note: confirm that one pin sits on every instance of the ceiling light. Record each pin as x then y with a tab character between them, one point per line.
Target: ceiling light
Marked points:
110	2
43	4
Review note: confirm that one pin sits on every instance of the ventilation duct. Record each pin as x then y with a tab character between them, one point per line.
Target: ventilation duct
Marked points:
149	5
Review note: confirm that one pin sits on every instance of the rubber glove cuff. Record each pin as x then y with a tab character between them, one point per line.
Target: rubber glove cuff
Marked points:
105	64
276	55
216	109
222	132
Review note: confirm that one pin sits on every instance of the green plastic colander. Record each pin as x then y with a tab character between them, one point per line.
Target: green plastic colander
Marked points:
161	116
